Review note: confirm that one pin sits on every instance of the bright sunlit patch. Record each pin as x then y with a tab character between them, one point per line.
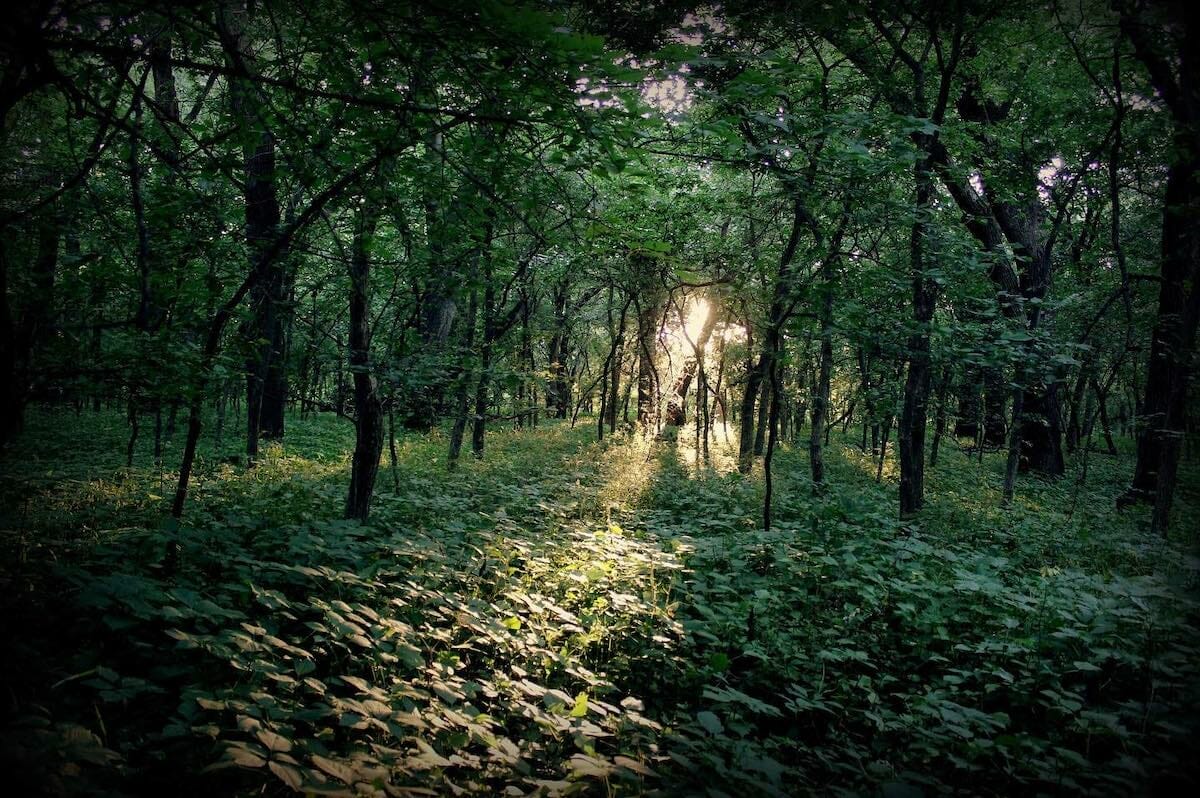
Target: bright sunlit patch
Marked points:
696	318
669	94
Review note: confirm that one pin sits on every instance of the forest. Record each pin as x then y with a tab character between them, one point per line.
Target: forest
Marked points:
600	398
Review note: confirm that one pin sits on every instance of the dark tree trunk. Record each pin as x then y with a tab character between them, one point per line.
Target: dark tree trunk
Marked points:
939	424
820	401
462	393
764	412
525	360
438	305
616	355
558	389
392	445
1041	431
649	312
966	422
995	398
1162	412
1102	410
1015	444
993	223
1078	394
19	336
491	332
368	410
775	348
913	417
265	386
134	429
754	379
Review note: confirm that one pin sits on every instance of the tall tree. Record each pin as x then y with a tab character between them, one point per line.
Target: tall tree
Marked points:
266	375
1163	36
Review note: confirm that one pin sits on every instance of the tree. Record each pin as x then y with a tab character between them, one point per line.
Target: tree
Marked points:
1160	40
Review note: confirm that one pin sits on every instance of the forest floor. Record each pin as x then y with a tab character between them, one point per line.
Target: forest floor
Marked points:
567	616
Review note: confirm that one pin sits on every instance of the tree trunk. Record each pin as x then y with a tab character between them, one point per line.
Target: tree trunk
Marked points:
939	424
1102	410
916	385
676	404
1162	412
1041	431
490	333
820	400
1015	443
1078	394
264	400
558	389
368	410
647	375
764	412
19	336
774	347
462	390
754	379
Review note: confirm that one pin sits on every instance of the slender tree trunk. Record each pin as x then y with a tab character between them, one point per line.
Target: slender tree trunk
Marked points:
158	437
773	351
939	425
615	355
649	311
368	410
820	400
264	404
774	346
490	333
22	327
221	405
134	428
1014	447
884	436
916	385
558	391
1074	423
1102	409
463	391
754	379
392	447
764	412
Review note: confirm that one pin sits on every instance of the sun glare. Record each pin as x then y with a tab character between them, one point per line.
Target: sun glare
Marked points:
696	318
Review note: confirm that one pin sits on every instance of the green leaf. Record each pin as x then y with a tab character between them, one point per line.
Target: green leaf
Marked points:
287	774
273	741
710	722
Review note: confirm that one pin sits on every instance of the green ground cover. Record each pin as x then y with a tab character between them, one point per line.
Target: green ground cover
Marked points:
567	617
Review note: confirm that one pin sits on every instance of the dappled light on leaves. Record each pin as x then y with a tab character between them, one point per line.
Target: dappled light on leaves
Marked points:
599	398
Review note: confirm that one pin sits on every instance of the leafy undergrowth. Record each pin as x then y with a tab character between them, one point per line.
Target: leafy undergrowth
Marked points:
566	617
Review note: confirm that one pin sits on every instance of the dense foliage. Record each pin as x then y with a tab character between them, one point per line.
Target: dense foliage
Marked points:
571	616
578	397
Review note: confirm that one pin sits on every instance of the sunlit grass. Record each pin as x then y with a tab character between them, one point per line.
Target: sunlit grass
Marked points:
722	449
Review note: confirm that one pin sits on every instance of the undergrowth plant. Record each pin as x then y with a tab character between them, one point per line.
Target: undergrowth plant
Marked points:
580	618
